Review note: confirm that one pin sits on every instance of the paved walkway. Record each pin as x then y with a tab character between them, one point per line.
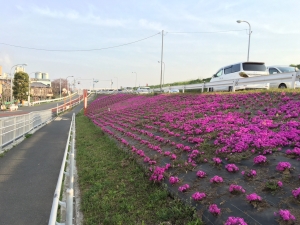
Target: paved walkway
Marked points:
29	173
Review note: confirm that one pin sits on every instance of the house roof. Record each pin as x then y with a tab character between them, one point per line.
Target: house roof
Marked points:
39	84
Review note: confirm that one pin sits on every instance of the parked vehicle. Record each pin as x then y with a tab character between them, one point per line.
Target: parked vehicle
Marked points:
282	69
175	90
143	90
237	71
13	107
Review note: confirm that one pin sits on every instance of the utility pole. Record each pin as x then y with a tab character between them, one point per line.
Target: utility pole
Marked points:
162	50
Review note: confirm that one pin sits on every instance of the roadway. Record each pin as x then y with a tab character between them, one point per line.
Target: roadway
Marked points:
36	107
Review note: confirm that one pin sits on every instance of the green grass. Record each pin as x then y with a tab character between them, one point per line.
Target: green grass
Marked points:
115	189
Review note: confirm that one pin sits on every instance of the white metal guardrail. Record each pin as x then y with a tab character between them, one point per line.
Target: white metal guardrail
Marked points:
15	127
68	204
274	78
53	100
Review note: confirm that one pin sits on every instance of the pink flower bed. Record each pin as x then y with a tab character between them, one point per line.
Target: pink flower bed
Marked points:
183	132
197	196
236	188
285	215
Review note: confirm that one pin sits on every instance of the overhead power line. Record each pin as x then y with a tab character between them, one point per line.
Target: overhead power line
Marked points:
79	50
203	32
115	46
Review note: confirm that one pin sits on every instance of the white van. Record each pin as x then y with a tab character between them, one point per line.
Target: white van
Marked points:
143	90
237	71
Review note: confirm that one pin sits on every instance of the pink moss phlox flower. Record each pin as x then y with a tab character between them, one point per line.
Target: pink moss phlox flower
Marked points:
281	166
180	146
167	153
152	162
184	188
213	208
231	168
173	156
285	215
146	159
279	183
157	174
217	160
173	180
296	193
250	173
253	197
167	166
216	179
187	148
197	196
235	221
260	159
236	188
295	151
140	153
201	174
194	154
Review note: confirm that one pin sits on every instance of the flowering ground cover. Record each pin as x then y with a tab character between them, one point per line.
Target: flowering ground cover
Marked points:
234	157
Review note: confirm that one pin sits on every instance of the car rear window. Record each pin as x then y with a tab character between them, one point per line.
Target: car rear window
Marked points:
287	69
254	67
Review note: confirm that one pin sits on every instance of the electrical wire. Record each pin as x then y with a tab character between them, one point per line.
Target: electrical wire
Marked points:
80	50
203	32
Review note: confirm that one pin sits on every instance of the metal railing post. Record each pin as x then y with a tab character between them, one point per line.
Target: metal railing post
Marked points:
1	134
69	208
234	83
15	129
293	84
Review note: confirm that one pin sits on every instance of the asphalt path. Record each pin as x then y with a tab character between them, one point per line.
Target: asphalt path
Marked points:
37	107
29	173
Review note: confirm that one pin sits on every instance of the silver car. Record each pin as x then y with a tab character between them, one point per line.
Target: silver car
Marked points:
282	69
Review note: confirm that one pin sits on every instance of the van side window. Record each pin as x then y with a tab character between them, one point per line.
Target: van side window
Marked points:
236	68
227	70
219	73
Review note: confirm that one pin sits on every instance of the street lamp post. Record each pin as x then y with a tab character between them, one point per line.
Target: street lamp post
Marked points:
117	82
163	73
240	21
135	78
11	91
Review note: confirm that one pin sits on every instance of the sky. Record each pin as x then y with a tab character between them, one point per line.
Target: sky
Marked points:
121	41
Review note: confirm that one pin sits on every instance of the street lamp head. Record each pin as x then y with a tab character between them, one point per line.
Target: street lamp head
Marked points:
24	64
239	21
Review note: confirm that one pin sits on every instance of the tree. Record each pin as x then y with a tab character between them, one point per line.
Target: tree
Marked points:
294	65
20	88
55	84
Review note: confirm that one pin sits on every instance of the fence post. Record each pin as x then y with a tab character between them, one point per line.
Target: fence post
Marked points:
234	83
56	109
1	134
15	129
69	208
294	76
24	125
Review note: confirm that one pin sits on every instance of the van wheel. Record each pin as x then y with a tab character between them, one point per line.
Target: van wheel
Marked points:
230	88
282	86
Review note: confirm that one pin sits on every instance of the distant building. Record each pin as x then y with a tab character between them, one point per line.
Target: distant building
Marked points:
40	91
